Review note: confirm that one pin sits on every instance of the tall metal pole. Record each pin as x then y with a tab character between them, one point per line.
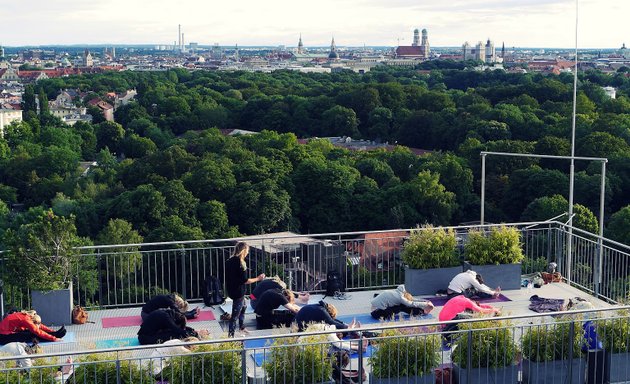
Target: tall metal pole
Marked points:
572	170
483	187
600	248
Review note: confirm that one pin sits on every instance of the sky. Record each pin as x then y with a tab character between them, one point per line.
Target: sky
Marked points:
524	23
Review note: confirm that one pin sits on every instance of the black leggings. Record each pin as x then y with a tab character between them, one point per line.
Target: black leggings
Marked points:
389	312
275	319
20	337
166	335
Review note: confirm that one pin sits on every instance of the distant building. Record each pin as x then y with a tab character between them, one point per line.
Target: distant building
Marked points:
7	116
418	49
479	52
88	61
1	53
610	92
300	47
106	108
333	55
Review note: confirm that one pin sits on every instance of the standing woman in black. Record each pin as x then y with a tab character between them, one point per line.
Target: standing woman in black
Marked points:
235	281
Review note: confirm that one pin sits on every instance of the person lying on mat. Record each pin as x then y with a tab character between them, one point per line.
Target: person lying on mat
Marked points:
471	284
390	302
461	307
321	312
274	283
172	301
163	325
268	317
25	326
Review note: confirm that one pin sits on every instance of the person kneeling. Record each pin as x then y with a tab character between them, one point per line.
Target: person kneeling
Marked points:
268	317
389	303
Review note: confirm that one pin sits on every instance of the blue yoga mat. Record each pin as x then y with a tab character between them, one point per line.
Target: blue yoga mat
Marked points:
117	343
260	357
258	343
68	338
366	318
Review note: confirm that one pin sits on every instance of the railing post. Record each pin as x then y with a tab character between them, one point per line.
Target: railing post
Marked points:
483	187
469	357
243	366
600	246
570	352
182	253
361	358
118	379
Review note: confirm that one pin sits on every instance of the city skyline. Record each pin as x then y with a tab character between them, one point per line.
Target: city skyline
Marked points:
531	23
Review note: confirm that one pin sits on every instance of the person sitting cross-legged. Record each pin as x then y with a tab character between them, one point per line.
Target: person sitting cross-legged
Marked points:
267	315
390	302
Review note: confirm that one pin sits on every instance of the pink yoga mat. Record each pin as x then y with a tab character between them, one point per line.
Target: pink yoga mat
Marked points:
131	321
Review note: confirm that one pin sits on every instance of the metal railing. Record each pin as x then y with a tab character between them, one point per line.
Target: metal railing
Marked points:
129	274
508	349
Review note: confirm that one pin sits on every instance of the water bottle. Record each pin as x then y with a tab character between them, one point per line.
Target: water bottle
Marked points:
530	286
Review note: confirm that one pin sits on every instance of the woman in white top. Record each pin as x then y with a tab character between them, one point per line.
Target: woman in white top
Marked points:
471	284
161	357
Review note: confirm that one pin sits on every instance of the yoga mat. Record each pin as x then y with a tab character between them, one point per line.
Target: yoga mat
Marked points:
366	318
439	301
68	338
117	343
132	321
260	357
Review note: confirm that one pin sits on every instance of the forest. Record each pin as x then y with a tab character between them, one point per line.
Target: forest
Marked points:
164	171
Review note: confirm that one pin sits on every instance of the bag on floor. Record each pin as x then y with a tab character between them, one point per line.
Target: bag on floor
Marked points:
334	283
213	292
79	315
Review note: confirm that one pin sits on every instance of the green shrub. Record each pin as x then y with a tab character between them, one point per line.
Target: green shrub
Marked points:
548	342
501	245
531	265
210	363
299	362
492	345
101	369
400	355
43	371
615	333
429	247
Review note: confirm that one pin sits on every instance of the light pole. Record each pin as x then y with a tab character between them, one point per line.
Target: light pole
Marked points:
572	169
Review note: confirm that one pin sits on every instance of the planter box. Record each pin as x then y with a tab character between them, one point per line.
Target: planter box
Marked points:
506	276
54	307
429	281
619	367
426	379
504	375
550	372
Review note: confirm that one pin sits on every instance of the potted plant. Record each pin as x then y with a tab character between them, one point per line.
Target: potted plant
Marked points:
430	255
615	336
208	363
110	368
486	353
42	257
496	255
546	353
404	358
303	361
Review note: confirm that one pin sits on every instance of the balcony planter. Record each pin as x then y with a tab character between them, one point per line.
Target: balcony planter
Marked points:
496	255
619	367
506	276
54	306
486	375
426	379
430	255
546	353
428	281
489	347
555	371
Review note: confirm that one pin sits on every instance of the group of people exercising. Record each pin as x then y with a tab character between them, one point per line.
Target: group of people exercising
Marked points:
271	294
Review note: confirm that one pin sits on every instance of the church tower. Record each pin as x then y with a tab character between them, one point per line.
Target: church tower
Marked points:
425	50
416	38
333	55
300	48
1	53
88	61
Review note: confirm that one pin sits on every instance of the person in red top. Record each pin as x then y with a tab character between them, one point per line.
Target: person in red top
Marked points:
458	308
25	326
